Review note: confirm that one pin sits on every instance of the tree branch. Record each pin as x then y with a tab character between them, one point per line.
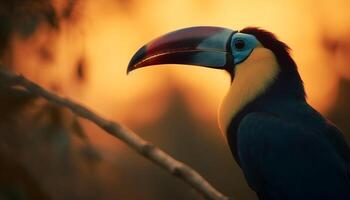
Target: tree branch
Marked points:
146	149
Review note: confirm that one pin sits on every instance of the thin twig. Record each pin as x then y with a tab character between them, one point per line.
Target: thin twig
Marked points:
146	149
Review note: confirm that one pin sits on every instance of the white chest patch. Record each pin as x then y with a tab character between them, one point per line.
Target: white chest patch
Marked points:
252	77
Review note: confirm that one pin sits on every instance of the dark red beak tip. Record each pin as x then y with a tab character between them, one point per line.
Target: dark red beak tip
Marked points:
137	58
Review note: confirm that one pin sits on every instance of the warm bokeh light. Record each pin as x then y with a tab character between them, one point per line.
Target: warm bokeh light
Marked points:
97	43
109	33
296	24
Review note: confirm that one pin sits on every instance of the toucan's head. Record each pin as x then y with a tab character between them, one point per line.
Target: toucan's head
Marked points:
213	47
256	60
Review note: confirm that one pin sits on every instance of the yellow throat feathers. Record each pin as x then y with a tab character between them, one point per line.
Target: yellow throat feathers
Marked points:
252	78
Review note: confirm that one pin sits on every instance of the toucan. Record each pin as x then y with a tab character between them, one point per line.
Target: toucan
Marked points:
285	148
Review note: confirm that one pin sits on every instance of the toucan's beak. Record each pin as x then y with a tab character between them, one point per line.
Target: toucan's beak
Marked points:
204	46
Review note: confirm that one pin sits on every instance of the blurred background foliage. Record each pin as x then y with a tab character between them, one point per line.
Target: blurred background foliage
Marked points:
81	49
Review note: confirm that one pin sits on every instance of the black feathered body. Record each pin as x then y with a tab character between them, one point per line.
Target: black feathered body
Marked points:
289	151
285	148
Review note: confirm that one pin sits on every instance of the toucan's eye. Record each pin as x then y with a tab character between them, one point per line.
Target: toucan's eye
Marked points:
239	44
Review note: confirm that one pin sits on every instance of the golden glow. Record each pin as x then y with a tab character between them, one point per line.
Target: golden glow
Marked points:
105	34
108	34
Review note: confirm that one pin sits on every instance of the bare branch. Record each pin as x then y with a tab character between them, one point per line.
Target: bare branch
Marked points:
146	149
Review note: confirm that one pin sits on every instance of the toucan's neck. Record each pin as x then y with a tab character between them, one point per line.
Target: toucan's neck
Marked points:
281	98
260	83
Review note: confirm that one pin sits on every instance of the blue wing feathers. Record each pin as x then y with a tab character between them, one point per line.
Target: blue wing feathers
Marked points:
285	160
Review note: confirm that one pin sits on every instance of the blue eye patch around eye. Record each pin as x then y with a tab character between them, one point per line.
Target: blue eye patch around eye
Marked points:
242	53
